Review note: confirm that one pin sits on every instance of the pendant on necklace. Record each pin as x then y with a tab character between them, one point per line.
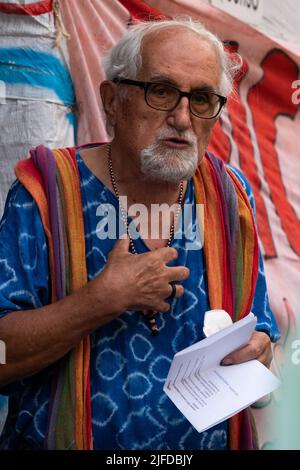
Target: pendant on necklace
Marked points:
150	315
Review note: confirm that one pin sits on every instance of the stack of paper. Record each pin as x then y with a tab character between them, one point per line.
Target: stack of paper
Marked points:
208	393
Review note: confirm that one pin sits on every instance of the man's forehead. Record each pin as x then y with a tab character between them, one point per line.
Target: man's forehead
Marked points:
177	52
173	37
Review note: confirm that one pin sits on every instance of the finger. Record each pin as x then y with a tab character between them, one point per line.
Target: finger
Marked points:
175	290
177	273
247	353
262	342
122	245
161	306
243	356
179	291
265	359
166	254
257	348
172	294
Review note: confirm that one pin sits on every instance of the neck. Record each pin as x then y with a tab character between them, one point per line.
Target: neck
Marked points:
131	182
156	228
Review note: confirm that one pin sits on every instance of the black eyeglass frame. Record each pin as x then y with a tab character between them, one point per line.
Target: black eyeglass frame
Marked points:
145	86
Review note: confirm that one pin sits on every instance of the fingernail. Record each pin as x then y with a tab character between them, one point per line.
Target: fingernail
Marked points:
226	362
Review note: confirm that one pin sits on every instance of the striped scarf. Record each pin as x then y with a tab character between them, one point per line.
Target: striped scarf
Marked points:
231	257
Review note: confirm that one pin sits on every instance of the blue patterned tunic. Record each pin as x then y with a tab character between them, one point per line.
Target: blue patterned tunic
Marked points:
128	365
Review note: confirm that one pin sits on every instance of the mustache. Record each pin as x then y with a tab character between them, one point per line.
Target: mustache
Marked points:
188	136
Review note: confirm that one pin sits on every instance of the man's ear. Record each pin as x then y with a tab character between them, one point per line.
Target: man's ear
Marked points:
108	92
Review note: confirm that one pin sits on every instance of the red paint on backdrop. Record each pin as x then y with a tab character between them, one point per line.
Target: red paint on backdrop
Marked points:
139	11
242	137
268	99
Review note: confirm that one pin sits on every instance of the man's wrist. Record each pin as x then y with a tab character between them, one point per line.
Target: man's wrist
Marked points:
108	298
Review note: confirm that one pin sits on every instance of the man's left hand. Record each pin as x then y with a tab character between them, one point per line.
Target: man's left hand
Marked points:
259	348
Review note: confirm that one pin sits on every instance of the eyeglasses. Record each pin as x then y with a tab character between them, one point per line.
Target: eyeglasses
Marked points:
165	97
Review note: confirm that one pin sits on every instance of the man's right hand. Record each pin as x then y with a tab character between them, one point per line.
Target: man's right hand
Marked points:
37	338
138	282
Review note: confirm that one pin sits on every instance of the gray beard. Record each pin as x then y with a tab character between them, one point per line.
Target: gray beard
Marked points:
159	162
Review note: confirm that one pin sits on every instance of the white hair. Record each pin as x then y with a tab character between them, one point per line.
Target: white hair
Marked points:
125	60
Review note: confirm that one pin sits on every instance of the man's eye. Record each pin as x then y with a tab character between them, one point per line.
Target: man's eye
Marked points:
159	90
201	98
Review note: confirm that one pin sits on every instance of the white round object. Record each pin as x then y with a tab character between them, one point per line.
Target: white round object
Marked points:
215	320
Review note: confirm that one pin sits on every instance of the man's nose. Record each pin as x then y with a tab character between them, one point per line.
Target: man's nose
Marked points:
180	117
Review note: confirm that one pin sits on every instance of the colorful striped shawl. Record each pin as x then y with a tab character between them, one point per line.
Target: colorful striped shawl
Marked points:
231	256
52	178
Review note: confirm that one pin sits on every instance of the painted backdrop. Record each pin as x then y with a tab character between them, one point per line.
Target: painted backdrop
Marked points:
258	132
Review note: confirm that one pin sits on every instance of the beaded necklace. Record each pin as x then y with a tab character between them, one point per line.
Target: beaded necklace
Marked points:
150	314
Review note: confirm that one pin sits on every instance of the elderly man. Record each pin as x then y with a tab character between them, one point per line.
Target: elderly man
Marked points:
78	308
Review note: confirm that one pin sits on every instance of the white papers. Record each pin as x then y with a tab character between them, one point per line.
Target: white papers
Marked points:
207	393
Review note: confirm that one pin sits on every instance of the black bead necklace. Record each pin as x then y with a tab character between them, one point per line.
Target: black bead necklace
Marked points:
150	314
